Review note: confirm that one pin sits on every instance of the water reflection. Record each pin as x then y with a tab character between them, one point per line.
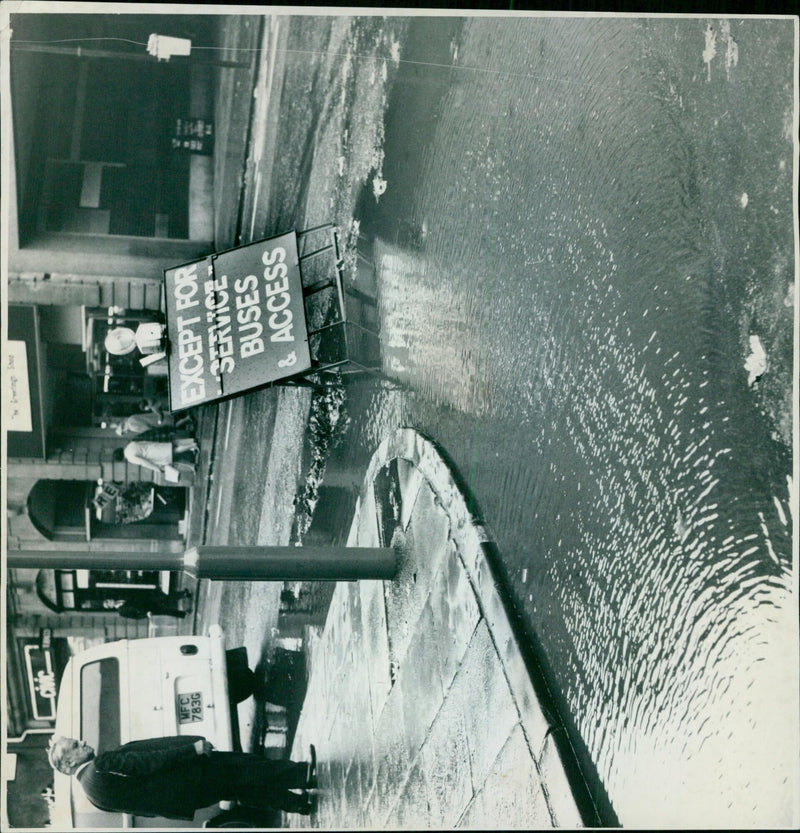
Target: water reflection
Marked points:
566	321
568	274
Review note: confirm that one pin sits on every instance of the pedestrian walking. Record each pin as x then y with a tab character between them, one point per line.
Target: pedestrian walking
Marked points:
167	457
173	777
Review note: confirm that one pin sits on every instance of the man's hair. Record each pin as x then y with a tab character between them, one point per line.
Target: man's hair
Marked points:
118	455
55	752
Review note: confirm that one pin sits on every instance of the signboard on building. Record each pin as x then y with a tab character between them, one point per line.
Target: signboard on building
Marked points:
105	495
193	136
235	321
16	390
22	383
41	674
105	502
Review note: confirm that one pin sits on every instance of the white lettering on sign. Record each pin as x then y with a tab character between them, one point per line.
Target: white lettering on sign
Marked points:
186	287
278	298
45	684
189	343
233	321
248	316
41	682
218	318
16	389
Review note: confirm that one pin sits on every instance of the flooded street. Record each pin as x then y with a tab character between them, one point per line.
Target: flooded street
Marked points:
582	237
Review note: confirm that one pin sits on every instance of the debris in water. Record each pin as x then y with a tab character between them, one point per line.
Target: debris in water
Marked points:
454	50
349	248
326	424
395	51
756	363
378	186
710	49
788	301
744	200
731	48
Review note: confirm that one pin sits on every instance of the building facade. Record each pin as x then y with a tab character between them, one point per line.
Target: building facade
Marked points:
111	182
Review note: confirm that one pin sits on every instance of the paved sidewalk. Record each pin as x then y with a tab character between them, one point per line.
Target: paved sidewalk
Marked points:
247	110
262	144
233	111
419	700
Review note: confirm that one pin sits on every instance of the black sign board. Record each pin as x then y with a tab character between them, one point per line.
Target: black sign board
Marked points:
235	321
41	673
193	136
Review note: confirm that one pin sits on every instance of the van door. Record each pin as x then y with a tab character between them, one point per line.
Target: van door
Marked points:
149	713
189	688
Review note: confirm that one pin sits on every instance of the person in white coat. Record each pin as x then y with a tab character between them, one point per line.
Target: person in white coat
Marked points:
167	458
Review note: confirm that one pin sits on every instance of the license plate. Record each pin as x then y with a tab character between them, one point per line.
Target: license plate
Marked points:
190	707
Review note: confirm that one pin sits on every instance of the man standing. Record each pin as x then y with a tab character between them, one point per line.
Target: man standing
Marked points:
174	776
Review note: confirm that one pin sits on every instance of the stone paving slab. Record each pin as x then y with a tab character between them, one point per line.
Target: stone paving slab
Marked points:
376	645
494	804
420	701
427	533
455	613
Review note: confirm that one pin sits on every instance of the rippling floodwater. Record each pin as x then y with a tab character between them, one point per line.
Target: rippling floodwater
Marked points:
584	226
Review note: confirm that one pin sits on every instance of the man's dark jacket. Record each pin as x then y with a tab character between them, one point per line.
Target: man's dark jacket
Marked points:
156	777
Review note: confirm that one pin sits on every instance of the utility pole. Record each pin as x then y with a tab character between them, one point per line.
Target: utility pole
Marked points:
224	563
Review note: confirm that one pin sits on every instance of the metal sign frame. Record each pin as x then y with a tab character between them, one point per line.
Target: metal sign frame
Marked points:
349	334
340	345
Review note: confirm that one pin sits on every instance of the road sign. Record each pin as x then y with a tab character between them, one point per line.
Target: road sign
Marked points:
235	321
41	681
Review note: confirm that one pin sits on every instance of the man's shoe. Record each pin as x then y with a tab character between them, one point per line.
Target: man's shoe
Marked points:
311	776
310	806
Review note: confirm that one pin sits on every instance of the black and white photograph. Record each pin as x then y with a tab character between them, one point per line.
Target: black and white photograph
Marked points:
399	418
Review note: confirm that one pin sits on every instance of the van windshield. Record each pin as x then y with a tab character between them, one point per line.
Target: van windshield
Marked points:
100	710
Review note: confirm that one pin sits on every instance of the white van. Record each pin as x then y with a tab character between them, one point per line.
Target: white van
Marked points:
134	689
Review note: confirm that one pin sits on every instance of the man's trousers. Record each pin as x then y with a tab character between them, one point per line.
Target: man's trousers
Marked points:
253	781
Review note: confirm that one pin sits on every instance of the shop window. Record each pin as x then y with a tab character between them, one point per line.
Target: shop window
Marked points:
102	591
120	385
